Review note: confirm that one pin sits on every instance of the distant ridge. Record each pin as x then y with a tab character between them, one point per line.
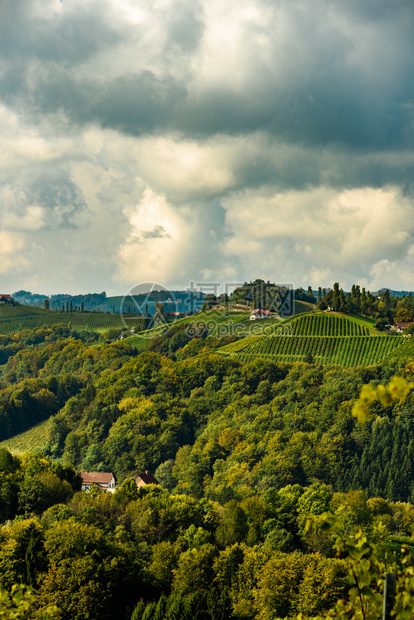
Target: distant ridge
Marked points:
396	293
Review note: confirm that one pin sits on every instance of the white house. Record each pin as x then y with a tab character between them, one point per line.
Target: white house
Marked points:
101	479
259	314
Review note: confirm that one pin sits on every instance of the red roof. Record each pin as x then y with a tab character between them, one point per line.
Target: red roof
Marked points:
404	324
258	311
96	477
5	296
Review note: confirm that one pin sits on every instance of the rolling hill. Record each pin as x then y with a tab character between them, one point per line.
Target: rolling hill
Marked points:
327	338
18	317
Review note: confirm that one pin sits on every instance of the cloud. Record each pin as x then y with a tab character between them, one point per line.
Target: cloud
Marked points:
393	274
189	139
33	219
170	245
321	232
10	258
49	201
149	257
334	74
185	169
158	232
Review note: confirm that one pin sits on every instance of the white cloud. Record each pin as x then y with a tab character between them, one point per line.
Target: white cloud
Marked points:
23	145
394	274
11	261
215	139
187	169
159	241
318	232
32	219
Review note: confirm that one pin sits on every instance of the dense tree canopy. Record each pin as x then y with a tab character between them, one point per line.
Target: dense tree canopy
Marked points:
251	459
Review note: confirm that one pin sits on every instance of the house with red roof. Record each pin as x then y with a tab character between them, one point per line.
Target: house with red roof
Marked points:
5	299
259	314
103	480
399	327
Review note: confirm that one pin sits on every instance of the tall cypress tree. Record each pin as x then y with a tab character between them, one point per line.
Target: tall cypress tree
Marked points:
335	297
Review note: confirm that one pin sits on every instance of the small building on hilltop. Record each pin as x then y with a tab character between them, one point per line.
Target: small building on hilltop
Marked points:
399	327
103	480
5	299
259	314
145	478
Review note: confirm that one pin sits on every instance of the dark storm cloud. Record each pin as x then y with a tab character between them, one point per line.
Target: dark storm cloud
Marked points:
30	29
42	59
134	104
185	25
171	127
298	167
41	53
315	73
137	104
64	203
58	200
331	73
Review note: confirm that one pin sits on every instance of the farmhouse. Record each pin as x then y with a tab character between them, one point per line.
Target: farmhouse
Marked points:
145	478
5	299
103	480
259	314
399	327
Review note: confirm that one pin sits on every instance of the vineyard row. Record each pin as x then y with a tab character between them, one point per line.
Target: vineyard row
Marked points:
344	351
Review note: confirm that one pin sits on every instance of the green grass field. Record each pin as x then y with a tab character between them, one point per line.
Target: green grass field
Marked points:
366	321
33	439
219	323
328	338
16	318
138	342
303	306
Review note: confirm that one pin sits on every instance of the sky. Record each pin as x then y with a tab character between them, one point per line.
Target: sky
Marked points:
179	141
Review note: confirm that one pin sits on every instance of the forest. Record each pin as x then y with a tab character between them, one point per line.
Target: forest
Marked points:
285	487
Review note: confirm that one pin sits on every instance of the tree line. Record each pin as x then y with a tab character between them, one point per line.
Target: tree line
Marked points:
147	553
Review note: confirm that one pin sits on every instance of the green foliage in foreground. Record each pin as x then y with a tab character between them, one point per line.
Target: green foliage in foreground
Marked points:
20	604
366	565
249	457
146	553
